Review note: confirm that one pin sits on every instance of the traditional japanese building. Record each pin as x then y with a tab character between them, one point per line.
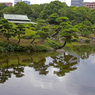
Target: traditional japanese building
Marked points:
17	19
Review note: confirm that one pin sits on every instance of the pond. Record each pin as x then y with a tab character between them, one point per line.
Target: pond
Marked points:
48	73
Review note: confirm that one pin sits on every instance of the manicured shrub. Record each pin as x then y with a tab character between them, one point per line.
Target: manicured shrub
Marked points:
2	49
75	40
52	43
10	48
39	48
87	41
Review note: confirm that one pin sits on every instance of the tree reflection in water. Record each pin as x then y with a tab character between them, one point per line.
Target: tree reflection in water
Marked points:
65	64
16	64
6	71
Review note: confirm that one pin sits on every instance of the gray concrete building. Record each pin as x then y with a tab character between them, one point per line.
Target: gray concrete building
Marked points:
76	3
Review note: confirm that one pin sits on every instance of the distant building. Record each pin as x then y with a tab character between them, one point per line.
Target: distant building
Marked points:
28	2
91	5
17	19
84	3
76	3
7	3
15	1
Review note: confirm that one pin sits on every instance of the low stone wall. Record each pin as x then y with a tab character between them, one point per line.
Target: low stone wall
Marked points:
92	41
82	41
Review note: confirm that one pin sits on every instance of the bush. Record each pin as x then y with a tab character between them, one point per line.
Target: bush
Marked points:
52	43
2	44
2	49
39	48
87	41
75	40
20	48
10	48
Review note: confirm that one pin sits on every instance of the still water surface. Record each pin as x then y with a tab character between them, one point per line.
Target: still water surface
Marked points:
47	73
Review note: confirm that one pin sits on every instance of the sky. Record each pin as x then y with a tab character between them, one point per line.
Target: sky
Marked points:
45	1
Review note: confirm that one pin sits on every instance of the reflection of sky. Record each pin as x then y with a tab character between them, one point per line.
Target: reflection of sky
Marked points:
78	82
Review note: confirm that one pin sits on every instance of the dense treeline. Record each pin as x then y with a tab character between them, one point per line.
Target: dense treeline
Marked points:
51	11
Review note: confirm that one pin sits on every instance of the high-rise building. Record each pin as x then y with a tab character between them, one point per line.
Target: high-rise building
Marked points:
28	2
15	1
76	3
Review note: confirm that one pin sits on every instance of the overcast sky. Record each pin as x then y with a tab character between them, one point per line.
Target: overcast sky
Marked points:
45	1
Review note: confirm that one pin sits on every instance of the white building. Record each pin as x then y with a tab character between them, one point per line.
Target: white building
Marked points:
15	1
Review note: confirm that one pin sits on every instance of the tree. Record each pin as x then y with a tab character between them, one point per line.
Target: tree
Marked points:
2	6
8	10
52	18
36	10
20	31
22	8
7	29
85	28
44	33
1	14
68	34
51	8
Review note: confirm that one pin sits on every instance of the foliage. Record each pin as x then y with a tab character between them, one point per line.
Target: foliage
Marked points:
2	49
39	48
51	8
7	29
85	32
62	19
43	34
52	18
52	43
20	31
10	48
2	6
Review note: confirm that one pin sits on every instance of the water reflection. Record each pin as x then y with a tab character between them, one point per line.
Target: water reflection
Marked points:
15	64
8	70
48	73
65	63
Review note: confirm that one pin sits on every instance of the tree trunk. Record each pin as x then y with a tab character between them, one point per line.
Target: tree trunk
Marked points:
8	39
62	45
19	40
57	31
55	34
32	40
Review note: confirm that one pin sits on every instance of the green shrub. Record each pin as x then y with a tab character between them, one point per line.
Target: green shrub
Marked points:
52	43
2	44
32	28
2	49
87	41
10	48
37	27
39	48
75	40
20	48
